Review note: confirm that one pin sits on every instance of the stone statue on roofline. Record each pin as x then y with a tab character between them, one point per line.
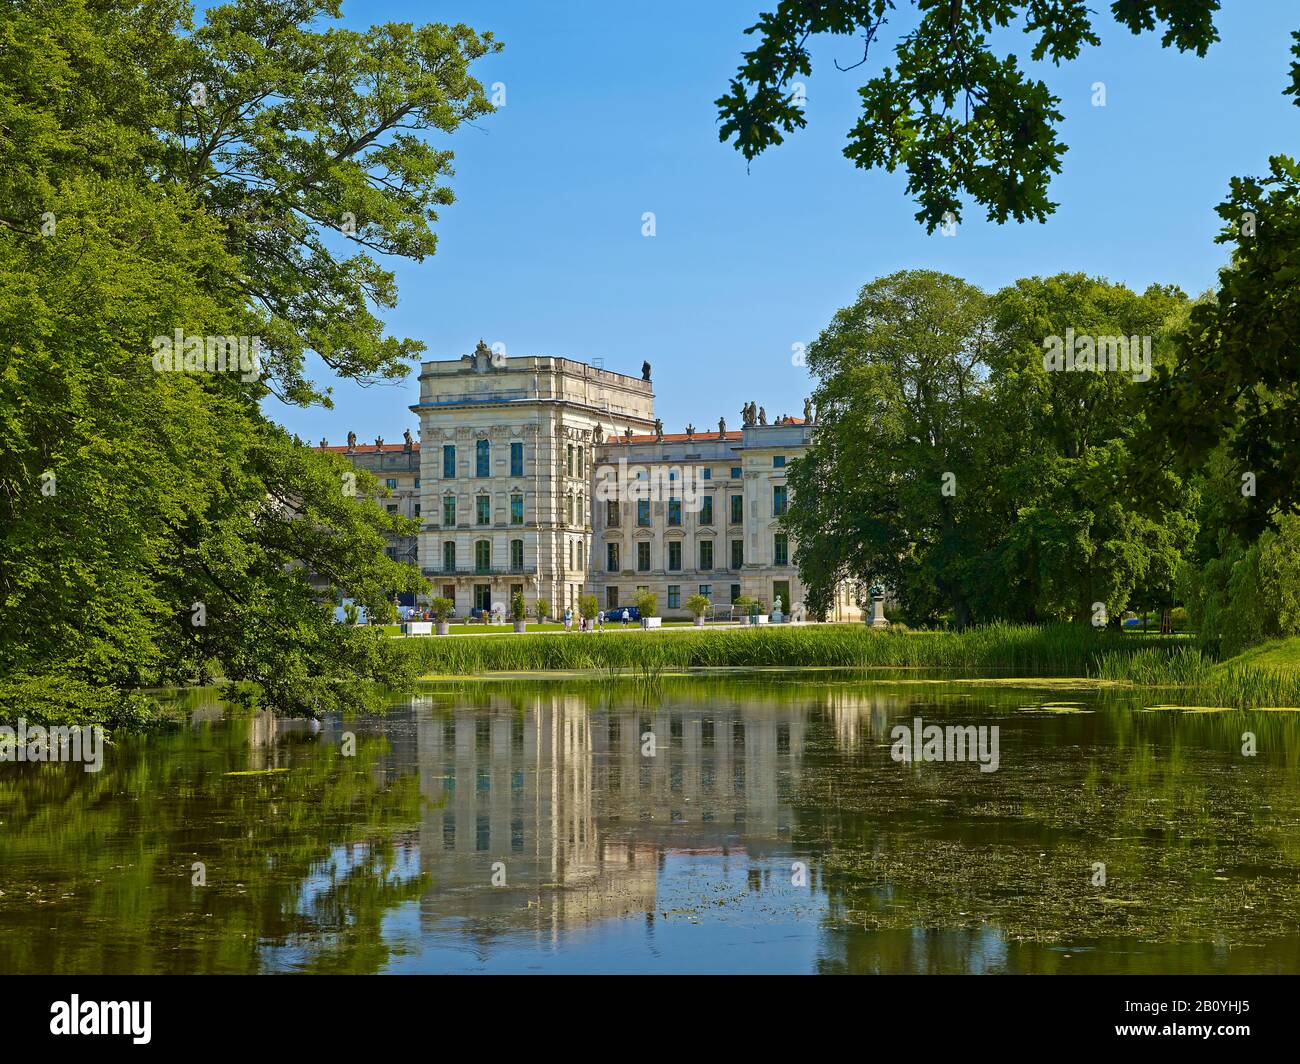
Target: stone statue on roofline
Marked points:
352	442
659	430
408	443
627	434
598	434
722	428
762	415
645	371
807	412
690	432
379	443
324	443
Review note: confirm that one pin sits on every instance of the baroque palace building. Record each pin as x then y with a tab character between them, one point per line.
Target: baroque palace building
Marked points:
552	477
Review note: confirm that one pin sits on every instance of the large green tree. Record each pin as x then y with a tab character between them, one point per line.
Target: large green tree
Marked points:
156	177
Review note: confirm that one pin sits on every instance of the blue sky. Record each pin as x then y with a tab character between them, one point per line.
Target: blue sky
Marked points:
609	114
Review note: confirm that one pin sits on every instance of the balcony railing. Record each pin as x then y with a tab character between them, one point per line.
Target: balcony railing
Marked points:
478	570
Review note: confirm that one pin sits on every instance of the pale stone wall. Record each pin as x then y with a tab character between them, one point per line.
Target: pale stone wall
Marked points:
557	409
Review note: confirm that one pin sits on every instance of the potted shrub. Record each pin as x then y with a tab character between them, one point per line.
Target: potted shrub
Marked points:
441	609
519	611
588	606
743	608
648	603
542	608
699	606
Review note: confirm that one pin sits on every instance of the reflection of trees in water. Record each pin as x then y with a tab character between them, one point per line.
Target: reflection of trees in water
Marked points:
937	867
107	857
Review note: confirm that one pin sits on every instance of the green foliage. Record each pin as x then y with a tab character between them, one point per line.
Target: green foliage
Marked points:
956	117
518	607
542	607
1249	592
588	606
950	465
1019	650
441	608
647	602
698	605
59	700
155	526
1233	386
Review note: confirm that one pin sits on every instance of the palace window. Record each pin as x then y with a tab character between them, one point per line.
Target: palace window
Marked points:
674	596
778	500
737	509
737	553
706	510
482	458
643	512
611	514
483	555
516	509
611	557
778	461
449	556
516	459
675	555
483	510
781	549
449	510
706	554
643	557
448	461
674	511
517	555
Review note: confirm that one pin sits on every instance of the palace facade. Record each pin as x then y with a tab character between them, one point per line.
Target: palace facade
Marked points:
553	478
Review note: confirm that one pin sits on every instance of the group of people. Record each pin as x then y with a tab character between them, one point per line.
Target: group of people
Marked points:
584	625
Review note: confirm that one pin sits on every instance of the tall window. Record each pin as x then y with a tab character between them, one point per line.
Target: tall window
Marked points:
643	512
482	458
483	510
781	549
778	500
517	555
516	459
707	591
675	555
643	557
569	459
737	553
674	596
706	510
448	461
737	509
449	511
449	556
706	554
674	511
582	459
483	555
516	509
611	514
611	598
611	557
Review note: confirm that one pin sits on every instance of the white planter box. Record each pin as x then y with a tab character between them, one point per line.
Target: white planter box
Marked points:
652	622
417	628
759	619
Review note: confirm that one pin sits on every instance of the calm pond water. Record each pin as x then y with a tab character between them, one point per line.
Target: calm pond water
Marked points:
516	826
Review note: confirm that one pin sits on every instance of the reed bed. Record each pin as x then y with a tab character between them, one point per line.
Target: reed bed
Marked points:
1024	650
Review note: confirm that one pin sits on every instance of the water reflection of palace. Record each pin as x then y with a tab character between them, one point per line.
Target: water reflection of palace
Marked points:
561	794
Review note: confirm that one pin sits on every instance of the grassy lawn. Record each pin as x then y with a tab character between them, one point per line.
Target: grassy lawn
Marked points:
1275	654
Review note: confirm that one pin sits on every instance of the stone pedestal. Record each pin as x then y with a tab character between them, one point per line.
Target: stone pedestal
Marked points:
877	618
